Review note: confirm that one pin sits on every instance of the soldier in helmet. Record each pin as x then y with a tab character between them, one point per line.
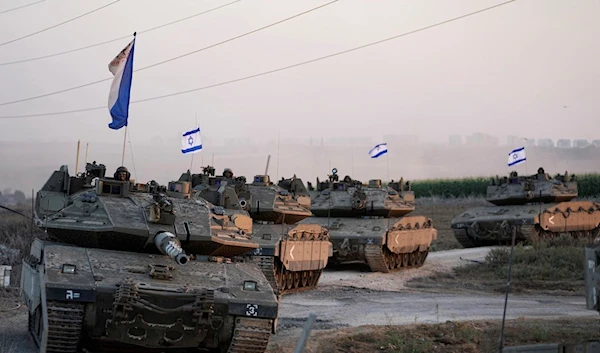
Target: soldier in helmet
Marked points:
122	174
227	173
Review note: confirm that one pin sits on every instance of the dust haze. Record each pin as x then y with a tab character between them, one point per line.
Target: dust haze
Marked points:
528	68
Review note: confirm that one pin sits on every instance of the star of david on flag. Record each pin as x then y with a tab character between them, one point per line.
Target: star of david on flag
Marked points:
378	150
191	142
516	156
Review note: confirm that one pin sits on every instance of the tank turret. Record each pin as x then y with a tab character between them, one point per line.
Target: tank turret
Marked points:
540	187
142	265
539	206
368	223
351	198
292	258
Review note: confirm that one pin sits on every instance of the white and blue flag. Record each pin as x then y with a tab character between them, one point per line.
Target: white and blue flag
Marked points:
378	150
190	142
516	156
118	98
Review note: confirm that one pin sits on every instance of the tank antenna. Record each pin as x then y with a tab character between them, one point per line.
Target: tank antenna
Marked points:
77	158
267	168
87	145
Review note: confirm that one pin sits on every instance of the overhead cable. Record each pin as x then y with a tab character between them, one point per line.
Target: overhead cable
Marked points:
20	7
170	59
58	24
265	72
115	39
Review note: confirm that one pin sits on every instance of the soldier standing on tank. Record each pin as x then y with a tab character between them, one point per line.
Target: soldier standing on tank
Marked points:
122	174
227	173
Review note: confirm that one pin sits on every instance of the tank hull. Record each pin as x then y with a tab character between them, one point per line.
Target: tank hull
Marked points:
142	301
291	261
385	244
494	224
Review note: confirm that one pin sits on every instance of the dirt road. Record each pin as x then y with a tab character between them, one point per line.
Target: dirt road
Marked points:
353	297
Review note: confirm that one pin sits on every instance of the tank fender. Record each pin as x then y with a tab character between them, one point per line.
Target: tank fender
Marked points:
570	216
410	234
305	248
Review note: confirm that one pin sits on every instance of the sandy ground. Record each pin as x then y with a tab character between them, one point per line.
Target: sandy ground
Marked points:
349	297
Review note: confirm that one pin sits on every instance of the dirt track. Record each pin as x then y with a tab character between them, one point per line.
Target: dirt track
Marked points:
353	297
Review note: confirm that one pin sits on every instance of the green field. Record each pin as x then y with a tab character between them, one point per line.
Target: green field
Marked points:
589	186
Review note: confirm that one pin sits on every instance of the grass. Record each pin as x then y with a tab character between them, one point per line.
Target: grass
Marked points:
553	265
454	337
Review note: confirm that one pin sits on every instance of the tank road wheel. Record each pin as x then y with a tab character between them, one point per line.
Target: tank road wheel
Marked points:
463	238
305	278
296	279
404	260
250	335
424	256
65	323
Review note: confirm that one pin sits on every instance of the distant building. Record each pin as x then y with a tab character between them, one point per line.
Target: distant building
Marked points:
596	143
529	142
482	140
581	143
545	142
513	140
455	140
563	143
401	139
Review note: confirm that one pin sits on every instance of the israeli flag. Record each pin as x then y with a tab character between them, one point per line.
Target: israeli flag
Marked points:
516	156
190	142
118	98
378	150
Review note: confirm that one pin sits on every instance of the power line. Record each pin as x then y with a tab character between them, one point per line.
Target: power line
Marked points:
20	7
171	59
59	24
115	39
270	71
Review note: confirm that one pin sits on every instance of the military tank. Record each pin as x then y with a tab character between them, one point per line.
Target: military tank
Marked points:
539	206
291	257
141	267
368	223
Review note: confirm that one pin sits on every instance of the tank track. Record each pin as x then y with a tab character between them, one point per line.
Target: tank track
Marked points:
381	259
65	324
464	239
250	335
284	281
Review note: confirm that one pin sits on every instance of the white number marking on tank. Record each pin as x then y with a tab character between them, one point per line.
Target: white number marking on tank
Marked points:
72	295
550	219
292	249
251	309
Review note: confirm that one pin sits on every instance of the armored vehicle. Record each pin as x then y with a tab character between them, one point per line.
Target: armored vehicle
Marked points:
539	206
291	257
368	223
137	267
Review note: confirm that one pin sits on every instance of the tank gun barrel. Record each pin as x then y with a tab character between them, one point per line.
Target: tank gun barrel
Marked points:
169	245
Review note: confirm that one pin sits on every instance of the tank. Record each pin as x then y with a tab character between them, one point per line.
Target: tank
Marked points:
539	206
136	267
368	223
291	256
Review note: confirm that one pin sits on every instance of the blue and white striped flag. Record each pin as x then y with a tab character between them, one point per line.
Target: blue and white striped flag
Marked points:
118	98
378	150
191	142
516	156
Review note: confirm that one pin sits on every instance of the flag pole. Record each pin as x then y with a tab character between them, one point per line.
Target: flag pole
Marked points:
387	160
77	158
124	142
192	161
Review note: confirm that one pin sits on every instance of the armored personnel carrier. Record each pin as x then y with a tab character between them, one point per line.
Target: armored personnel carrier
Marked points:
291	257
138	267
368	223
538	205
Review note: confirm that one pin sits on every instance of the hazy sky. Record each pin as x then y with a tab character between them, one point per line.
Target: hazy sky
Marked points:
507	71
